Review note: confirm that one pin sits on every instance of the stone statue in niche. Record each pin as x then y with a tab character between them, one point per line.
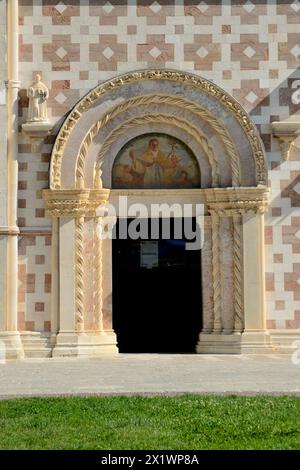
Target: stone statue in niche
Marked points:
38	94
37	126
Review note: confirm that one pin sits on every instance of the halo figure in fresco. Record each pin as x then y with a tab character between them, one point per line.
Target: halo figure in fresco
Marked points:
147	162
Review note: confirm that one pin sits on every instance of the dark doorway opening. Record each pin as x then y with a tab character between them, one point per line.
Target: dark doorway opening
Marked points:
156	293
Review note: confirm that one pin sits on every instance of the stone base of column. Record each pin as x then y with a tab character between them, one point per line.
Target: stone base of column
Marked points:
88	344
10	346
256	342
249	342
285	341
36	344
212	343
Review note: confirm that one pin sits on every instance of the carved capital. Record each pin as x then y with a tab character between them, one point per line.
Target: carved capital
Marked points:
73	202
286	132
238	208
232	202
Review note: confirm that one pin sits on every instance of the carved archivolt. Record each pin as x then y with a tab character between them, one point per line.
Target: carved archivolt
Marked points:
166	119
160	99
199	83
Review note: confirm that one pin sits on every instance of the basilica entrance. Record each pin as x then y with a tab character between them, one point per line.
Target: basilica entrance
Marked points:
156	293
158	137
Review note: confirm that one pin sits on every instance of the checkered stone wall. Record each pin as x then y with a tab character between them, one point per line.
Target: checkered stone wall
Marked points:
249	48
34	282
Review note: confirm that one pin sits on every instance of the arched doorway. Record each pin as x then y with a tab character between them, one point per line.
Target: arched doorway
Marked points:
156	278
232	189
156	283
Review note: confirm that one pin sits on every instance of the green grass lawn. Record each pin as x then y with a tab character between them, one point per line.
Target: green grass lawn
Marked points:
178	422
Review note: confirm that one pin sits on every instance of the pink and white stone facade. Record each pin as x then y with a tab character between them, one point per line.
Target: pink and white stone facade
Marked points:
251	49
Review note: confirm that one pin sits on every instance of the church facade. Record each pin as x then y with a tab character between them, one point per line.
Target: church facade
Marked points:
170	103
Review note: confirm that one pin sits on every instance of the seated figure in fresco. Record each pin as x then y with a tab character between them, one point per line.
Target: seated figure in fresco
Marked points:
149	169
154	168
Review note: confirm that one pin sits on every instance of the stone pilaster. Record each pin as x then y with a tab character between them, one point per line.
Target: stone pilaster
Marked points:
255	338
70	207
10	342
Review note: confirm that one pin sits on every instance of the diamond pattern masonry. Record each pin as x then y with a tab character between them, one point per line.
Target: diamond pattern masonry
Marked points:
250	48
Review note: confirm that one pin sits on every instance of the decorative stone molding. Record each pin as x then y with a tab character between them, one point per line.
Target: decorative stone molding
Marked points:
203	85
234	201
286	133
6	230
74	202
160	99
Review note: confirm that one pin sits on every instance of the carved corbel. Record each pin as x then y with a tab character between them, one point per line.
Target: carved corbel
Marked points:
286	133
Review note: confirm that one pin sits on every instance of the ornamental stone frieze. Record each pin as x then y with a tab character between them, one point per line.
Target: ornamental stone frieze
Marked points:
226	202
74	202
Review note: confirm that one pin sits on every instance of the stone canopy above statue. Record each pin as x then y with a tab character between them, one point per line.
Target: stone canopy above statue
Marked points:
155	161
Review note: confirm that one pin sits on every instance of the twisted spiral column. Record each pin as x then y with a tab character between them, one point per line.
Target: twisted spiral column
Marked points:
79	274
238	275
217	296
97	265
